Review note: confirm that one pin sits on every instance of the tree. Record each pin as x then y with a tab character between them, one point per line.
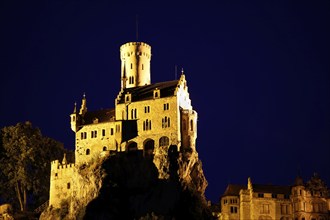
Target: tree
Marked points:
25	157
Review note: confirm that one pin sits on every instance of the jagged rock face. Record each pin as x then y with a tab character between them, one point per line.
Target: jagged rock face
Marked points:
132	189
130	186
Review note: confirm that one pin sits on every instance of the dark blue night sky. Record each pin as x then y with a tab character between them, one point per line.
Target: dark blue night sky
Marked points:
258	75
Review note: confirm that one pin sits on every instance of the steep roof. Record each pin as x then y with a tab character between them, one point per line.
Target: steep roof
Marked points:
103	115
233	190
140	93
268	188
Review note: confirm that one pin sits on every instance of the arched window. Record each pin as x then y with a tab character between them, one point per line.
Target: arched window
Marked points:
132	146
149	146
104	148
88	151
135	113
164	141
191	125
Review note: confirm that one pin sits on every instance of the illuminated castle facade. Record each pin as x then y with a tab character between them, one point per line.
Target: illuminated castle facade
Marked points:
148	117
301	201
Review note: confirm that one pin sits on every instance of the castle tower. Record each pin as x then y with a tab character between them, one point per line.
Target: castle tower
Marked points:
74	119
135	64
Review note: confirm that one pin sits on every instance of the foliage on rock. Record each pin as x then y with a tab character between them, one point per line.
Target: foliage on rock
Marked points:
25	157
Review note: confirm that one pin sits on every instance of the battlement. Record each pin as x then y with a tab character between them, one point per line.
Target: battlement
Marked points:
56	165
135	44
135	48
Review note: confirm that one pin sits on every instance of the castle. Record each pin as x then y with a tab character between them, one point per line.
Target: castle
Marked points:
148	117
301	201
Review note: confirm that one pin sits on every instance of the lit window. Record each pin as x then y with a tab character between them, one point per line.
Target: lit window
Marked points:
264	209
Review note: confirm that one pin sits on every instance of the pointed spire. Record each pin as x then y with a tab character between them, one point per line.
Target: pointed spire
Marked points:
182	72
75	108
64	161
124	78
250	183
83	108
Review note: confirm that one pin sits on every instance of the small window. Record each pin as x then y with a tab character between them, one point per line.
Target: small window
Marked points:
111	131
260	195
88	151
146	109
131	65
103	132
142	66
73	118
68	186
55	174
104	148
156	93
166	106
233	209
191	125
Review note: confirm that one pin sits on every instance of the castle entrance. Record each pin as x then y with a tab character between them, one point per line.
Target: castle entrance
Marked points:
148	148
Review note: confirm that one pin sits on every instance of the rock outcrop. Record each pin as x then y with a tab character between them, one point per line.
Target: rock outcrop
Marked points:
133	186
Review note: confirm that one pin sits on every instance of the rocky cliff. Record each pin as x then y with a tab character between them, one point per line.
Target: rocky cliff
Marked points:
132	186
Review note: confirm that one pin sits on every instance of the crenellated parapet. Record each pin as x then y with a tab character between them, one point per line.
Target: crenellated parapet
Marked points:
135	64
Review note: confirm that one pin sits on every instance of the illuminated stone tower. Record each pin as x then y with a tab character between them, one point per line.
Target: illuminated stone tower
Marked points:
135	64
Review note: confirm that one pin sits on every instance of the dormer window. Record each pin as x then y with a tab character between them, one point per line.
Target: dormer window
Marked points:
128	97
156	93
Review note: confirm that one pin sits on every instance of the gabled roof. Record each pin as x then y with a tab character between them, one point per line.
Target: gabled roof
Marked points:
140	93
103	115
233	190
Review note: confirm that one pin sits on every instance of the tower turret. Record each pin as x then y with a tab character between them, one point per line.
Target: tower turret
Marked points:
74	118
135	64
